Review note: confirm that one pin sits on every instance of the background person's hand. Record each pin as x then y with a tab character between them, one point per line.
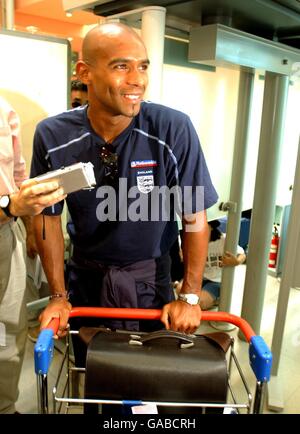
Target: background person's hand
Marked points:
229	260
33	197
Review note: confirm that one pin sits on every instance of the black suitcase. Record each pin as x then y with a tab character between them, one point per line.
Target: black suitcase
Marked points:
161	366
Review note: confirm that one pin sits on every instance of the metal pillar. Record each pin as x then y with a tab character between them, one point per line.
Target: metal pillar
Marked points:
8	11
275	395
286	279
153	34
273	117
237	182
234	206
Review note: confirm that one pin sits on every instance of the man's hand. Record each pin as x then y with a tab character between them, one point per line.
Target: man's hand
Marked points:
57	308
181	316
33	197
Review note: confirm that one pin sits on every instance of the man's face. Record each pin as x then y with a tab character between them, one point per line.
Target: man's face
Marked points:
119	78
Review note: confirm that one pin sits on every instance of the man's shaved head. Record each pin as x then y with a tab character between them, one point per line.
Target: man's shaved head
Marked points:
105	36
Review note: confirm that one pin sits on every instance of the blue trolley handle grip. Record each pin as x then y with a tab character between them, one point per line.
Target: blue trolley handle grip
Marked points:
260	358
43	349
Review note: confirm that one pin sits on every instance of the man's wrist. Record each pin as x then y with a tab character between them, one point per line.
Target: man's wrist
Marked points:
190	289
189	298
59	295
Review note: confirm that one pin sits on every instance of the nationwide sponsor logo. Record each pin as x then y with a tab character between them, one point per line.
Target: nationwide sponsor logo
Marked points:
143	163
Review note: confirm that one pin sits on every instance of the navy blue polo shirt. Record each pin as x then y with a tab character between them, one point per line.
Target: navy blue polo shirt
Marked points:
160	149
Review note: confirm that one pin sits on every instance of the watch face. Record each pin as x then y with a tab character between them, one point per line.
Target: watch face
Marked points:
4	201
192	298
189	298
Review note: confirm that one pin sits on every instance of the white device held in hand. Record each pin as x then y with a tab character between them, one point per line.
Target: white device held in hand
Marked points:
72	178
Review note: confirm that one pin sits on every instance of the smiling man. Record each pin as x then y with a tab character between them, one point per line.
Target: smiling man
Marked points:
133	144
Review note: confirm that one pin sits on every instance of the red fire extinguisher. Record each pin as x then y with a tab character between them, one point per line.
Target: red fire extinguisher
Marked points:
274	248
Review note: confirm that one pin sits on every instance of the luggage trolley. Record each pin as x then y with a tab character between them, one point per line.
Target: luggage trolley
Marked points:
260	359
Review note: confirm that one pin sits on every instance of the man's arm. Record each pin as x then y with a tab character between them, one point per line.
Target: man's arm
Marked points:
179	315
195	244
51	251
31	247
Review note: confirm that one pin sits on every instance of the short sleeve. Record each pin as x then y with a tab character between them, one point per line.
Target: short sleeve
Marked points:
40	165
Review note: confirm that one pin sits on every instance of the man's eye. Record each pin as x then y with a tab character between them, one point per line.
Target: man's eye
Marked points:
121	66
144	67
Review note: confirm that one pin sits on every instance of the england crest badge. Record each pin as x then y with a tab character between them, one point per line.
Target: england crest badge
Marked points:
145	183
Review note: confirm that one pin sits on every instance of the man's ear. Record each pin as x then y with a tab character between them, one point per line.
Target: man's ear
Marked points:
83	72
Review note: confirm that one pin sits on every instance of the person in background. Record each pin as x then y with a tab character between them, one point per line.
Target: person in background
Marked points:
17	199
216	260
78	93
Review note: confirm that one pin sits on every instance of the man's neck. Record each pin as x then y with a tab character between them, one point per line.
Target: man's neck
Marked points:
108	127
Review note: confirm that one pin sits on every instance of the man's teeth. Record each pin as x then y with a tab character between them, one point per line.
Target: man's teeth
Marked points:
132	97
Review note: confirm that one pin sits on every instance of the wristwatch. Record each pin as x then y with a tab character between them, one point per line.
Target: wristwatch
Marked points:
191	299
4	205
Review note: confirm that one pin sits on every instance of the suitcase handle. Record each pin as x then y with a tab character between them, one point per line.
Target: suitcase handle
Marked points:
186	341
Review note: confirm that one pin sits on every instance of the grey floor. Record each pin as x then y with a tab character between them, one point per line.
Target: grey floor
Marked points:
285	387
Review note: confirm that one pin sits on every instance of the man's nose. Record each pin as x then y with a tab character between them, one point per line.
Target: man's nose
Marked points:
137	78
